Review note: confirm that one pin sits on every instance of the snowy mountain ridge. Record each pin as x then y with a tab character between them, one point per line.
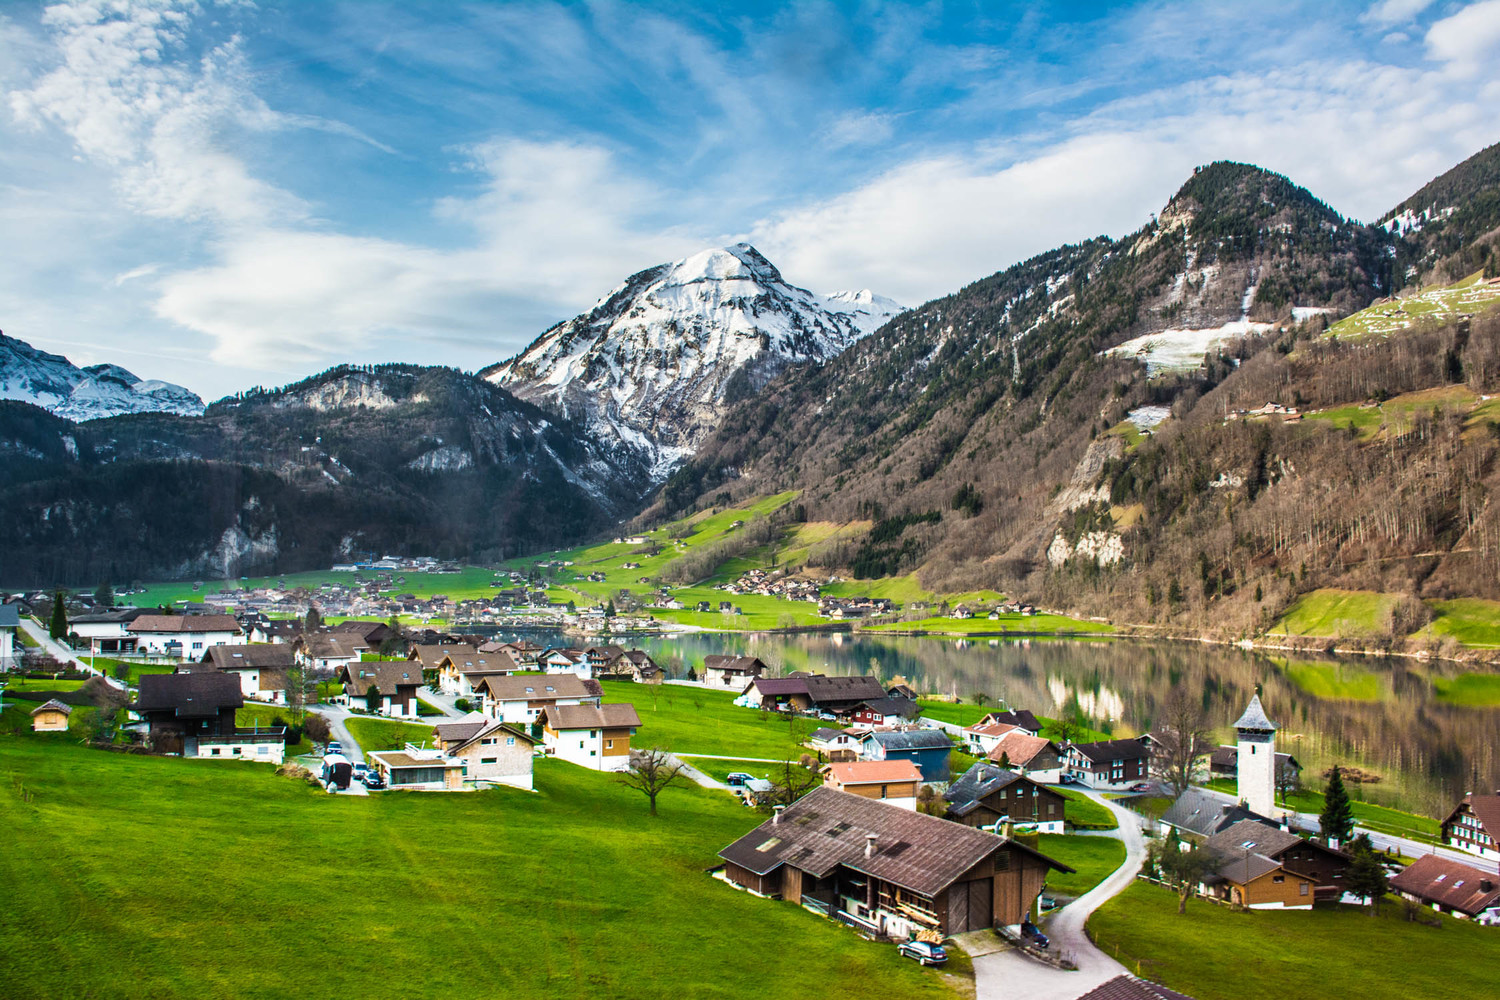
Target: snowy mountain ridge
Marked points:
655	362
54	383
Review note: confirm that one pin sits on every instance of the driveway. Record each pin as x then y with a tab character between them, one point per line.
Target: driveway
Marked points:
1006	975
440	701
336	717
697	776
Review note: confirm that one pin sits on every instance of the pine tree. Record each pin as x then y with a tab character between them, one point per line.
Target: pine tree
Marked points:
105	595
58	627
1366	877
1336	821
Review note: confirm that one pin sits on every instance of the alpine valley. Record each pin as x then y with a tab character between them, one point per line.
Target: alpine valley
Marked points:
1249	398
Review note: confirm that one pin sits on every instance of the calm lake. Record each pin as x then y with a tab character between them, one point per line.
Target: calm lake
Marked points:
1390	716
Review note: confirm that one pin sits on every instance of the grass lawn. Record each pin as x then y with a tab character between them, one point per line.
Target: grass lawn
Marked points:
386	734
1337	613
1334	681
1474	690
278	889
1470	620
692	720
23	687
1094	857
1214	953
1083	813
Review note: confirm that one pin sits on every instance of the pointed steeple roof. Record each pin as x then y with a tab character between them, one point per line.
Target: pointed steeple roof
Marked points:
1255	718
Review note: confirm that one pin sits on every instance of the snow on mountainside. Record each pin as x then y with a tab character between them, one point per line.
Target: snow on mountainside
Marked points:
654	363
55	383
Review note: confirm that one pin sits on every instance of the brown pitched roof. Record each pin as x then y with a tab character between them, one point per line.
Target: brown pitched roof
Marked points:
1450	884
258	656
1486	809
184	623
749	665
432	656
874	772
396	759
52	705
1113	750
535	687
1019	748
559	717
827	828
189	695
1252	849
385	675
489	728
334	647
461	730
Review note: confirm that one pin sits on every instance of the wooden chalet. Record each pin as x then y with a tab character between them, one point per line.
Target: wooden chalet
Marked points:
887	870
387	687
732	673
1452	887
892	781
1474	826
1266	867
986	796
50	716
182	709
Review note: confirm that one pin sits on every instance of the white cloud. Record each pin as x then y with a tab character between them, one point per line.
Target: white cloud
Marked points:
860	128
1469	41
552	228
1392	12
927	227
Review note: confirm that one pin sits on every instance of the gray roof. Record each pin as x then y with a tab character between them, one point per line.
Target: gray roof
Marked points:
1200	811
914	739
827	828
981	780
255	656
1255	718
1131	988
903	707
52	705
189	695
9	616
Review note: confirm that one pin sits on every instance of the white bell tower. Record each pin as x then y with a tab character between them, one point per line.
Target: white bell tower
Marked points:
1257	759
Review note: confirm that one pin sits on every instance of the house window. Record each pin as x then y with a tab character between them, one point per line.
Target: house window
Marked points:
197	645
1278	879
609	744
510	741
592	734
214	752
593	753
1302	889
263	751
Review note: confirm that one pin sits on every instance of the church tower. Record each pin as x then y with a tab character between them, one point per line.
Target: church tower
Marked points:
1257	759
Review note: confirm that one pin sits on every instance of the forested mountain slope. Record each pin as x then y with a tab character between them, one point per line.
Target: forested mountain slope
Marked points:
355	460
1000	408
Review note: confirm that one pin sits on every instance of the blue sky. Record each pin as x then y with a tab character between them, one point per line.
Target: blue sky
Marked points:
225	194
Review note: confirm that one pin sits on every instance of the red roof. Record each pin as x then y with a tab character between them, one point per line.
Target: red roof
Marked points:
874	772
1450	884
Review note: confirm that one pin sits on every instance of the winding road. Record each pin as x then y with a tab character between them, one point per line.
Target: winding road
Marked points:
1004	975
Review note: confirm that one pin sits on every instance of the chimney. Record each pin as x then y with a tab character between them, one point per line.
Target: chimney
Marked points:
776	814
1485	885
870	839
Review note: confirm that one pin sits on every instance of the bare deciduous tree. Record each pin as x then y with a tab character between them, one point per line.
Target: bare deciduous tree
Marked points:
651	772
1182	738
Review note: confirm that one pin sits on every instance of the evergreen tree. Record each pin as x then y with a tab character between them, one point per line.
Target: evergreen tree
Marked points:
314	618
609	609
1366	876
105	595
1336	821
58	627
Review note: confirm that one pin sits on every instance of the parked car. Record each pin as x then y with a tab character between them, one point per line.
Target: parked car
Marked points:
372	779
737	779
924	952
1141	786
828	717
1032	933
334	746
360	770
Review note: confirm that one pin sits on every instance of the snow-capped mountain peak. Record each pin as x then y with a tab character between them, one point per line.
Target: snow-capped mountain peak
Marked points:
655	363
54	383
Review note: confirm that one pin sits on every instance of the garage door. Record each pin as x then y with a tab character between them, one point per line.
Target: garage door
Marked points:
978	898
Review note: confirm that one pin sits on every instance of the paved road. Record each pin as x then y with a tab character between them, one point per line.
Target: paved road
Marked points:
1382	841
698	776
56	649
336	717
1011	974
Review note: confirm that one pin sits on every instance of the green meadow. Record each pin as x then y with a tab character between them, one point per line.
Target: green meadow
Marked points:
139	876
1215	953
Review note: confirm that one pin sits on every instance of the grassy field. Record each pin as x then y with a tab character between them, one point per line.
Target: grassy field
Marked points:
386	734
268	887
1469	620
1214	953
265	715
1083	813
1337	613
691	720
1430	307
1335	681
1094	857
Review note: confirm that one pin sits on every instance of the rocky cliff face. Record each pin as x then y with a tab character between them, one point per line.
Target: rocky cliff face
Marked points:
655	362
54	383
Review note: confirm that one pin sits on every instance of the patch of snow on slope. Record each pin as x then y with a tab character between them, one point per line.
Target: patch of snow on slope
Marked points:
1147	417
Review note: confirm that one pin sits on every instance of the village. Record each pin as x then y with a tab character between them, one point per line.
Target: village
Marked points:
929	835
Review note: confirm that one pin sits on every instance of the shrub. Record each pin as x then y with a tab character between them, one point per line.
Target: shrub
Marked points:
463	704
315	727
